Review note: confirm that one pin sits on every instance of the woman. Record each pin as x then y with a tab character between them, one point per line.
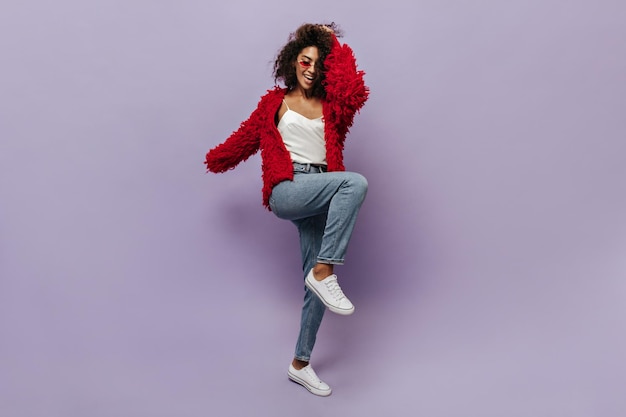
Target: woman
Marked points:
300	130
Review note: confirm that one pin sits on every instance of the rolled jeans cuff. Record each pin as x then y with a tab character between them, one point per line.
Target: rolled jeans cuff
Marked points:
330	261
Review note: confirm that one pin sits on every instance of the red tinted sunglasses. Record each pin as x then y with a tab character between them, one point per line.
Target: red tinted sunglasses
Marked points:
305	64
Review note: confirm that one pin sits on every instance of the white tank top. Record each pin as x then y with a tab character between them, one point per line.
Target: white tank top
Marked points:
303	137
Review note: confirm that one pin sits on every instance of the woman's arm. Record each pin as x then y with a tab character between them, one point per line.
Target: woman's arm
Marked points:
345	88
241	144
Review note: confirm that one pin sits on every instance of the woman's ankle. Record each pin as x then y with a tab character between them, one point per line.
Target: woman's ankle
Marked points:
321	271
298	364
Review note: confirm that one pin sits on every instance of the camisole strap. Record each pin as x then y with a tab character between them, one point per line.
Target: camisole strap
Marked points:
286	104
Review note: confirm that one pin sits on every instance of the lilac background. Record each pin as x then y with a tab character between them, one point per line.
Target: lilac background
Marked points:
487	266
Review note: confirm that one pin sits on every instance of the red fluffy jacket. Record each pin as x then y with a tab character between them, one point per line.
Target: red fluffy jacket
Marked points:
346	93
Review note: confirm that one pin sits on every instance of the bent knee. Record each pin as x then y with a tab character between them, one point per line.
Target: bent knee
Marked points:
359	183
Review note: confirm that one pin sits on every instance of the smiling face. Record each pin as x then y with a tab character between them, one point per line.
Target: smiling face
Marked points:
306	73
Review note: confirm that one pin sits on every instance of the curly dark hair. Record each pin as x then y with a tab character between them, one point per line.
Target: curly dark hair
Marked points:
308	34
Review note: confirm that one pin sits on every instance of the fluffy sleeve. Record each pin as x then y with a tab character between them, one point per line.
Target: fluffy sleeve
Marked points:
241	144
345	87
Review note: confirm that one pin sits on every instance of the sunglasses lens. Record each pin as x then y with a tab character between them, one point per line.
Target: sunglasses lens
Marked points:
305	64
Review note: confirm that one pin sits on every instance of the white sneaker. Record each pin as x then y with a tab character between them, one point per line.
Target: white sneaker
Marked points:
309	380
329	291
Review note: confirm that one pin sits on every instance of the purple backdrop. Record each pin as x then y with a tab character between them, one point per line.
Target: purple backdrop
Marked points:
487	267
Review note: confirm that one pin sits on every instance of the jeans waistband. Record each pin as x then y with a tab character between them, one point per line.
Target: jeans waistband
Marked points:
310	168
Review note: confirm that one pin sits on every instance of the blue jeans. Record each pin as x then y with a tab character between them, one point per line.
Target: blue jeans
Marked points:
324	208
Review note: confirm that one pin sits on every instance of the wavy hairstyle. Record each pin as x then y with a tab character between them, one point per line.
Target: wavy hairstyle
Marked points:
308	34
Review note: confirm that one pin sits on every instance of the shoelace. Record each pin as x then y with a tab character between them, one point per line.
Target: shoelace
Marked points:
314	378
335	290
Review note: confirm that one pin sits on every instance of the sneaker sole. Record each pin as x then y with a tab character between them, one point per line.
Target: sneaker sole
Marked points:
311	389
330	307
